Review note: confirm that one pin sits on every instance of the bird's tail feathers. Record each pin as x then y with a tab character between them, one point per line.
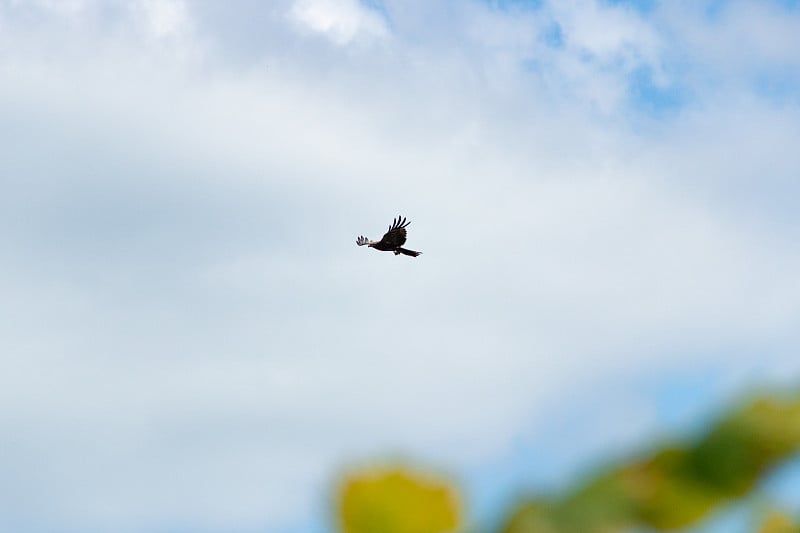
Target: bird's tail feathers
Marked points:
412	253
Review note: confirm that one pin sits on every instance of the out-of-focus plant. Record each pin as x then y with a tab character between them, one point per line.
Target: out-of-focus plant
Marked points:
397	500
678	485
672	487
779	523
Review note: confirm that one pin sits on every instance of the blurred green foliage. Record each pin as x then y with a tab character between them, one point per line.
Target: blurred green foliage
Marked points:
675	486
678	485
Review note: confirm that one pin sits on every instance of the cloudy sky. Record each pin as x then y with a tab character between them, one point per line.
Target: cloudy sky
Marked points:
604	193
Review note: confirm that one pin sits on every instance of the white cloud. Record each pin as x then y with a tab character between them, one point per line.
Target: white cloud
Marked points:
742	35
60	7
165	18
603	45
184	305
607	34
340	20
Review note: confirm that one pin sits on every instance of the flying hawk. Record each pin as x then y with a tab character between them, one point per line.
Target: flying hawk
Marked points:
392	241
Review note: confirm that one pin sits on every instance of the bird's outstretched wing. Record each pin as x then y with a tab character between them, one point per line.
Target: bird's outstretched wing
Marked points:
395	237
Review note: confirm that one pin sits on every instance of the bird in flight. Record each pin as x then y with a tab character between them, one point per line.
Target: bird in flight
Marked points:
393	241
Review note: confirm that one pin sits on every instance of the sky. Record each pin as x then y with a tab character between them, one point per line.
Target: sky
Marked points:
604	193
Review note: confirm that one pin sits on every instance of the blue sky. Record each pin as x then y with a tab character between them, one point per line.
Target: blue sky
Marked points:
191	340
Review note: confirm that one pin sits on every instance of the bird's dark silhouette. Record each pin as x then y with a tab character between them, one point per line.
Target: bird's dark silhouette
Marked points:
393	241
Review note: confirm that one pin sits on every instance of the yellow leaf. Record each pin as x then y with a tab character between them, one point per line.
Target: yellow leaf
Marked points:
778	523
397	500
